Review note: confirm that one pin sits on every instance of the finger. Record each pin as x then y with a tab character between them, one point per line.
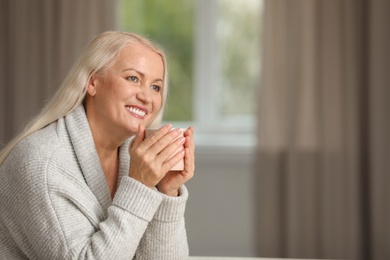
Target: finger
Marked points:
189	134
189	131
158	145
189	159
139	137
189	164
171	162
157	135
172	149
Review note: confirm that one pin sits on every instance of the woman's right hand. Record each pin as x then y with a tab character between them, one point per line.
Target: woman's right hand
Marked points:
149	157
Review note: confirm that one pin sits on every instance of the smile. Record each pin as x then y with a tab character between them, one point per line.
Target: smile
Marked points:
137	111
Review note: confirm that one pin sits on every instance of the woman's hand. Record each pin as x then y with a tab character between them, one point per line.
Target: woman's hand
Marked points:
152	158
173	180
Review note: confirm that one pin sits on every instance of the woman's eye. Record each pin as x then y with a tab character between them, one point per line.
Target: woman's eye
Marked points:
133	78
156	88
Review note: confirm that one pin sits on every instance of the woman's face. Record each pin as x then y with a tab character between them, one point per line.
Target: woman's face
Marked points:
127	94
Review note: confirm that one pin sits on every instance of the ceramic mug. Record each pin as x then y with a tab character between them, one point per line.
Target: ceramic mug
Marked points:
180	165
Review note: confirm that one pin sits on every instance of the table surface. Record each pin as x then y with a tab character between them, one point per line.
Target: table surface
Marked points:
242	258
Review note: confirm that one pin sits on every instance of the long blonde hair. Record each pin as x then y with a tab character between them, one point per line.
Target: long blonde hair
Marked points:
98	57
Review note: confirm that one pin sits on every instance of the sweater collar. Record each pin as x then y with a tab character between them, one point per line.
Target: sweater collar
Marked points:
82	141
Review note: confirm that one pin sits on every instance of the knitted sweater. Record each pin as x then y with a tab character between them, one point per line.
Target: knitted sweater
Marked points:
55	202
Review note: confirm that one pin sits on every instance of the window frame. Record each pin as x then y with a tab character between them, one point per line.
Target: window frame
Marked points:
212	130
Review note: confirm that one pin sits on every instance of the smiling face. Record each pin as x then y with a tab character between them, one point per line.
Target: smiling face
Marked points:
129	93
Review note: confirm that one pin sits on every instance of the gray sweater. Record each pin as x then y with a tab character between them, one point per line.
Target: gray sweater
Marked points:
55	203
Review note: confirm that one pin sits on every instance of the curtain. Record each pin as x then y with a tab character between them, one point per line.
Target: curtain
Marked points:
323	123
39	42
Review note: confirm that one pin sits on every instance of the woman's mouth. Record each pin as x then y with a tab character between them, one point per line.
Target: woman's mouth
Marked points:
137	111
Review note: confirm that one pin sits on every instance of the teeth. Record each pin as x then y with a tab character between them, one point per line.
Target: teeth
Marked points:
136	111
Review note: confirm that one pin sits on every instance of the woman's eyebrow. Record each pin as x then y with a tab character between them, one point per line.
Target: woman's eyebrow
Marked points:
137	71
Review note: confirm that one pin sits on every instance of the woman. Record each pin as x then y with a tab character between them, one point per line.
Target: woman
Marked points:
82	182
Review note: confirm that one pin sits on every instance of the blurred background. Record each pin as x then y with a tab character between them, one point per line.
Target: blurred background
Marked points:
289	99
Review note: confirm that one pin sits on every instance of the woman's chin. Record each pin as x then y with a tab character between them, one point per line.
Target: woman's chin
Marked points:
132	130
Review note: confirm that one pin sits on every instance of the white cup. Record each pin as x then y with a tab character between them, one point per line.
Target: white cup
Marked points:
180	165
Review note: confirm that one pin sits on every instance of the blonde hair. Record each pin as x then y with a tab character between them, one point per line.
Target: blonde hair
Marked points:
98	57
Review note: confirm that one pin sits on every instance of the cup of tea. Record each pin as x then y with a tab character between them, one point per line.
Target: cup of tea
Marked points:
180	165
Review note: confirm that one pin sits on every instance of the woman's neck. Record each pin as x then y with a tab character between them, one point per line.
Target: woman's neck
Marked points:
109	160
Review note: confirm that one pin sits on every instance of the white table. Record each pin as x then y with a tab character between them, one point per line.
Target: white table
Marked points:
242	258
226	258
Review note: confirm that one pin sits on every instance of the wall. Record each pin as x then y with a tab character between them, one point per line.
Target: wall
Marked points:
220	214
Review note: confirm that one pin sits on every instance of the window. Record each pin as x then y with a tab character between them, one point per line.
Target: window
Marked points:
213	50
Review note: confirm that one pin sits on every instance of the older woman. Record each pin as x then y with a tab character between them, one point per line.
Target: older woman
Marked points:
82	181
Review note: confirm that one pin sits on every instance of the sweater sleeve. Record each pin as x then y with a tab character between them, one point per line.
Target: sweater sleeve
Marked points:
116	234
56	216
165	236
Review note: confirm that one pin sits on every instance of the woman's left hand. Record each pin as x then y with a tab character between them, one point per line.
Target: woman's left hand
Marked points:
173	180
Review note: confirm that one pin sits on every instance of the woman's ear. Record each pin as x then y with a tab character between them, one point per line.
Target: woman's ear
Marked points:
91	89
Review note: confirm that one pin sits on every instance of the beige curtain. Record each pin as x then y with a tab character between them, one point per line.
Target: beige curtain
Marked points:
323	124
39	41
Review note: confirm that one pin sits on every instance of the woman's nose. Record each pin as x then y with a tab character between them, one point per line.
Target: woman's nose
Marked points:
144	95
